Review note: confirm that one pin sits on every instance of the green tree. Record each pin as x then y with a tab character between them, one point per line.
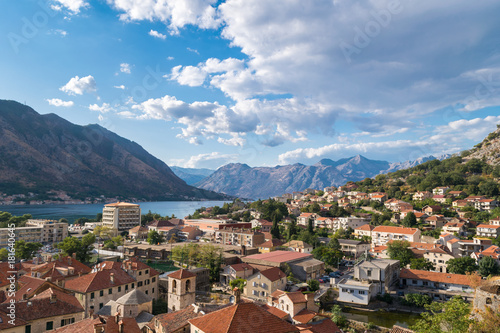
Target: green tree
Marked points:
26	250
452	316
410	220
488	266
399	250
422	264
310	226
417	300
238	283
313	284
338	317
461	265
154	237
4	254
82	248
275	230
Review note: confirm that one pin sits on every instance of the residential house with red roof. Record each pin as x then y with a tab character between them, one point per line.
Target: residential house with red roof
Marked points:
45	311
436	221
493	251
173	322
421	195
440	286
485	204
382	234
265	282
455	227
431	209
298	246
102	324
364	230
488	230
235	271
138	233
189	233
303	219
270	245
294	304
440	190
63	268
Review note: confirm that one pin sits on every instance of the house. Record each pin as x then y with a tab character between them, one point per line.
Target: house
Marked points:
439	198
324	222
440	286
455	227
432	209
353	247
485	204
298	246
352	222
487	230
242	317
189	233
456	194
493	251
295	304
246	237
439	255
382	234
370	278
460	204
102	324
173	322
303	265
436	221
63	268
270	245
264	283
303	219
364	230
235	271
138	233
421	195
440	190
45	311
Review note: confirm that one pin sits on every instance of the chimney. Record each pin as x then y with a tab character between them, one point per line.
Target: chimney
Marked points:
310	302
25	296
49	279
237	294
112	277
74	256
69	260
120	327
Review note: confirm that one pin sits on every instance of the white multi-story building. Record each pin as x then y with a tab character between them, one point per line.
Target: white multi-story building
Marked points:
52	231
27	234
383	234
349	222
121	216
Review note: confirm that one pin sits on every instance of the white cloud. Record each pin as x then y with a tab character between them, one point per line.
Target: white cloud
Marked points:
157	34
211	160
59	102
193	50
73	5
60	32
176	14
77	85
125	68
122	87
188	76
170	58
105	107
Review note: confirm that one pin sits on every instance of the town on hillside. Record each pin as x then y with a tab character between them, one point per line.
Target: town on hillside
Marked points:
300	262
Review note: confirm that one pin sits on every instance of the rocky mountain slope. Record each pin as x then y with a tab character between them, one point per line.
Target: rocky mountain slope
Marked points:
39	153
264	182
488	150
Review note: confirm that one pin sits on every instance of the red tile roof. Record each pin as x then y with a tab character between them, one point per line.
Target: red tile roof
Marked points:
242	318
305	316
273	274
275	311
4	321
99	280
489	226
324	326
241	267
366	227
297	297
109	325
279	256
416	274
171	322
395	230
181	274
271	243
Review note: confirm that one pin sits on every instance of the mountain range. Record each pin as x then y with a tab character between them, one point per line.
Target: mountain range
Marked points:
191	175
263	182
41	153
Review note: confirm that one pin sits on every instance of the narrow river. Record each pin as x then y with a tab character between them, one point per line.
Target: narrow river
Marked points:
382	318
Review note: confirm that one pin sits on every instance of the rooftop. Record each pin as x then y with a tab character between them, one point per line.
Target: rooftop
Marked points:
435	276
279	256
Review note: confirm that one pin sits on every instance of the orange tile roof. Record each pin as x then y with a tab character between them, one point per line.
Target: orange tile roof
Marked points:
108	324
174	321
181	274
271	243
416	274
241	267
395	230
275	311
305	316
4	321
297	297
324	326
489	226
366	227
242	318
273	274
278	256
99	280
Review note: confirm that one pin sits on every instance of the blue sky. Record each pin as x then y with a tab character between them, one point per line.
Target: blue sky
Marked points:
202	83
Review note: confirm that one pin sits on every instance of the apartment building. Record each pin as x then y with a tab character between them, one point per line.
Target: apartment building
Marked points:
52	230
121	216
27	234
264	283
382	234
247	237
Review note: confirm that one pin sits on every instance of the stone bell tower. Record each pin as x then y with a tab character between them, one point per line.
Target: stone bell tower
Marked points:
181	290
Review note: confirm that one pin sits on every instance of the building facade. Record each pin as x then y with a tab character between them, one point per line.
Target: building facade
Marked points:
121	216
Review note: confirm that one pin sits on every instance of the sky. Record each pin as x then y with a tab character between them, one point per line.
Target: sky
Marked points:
203	83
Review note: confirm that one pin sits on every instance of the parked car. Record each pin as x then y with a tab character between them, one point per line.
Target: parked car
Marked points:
321	281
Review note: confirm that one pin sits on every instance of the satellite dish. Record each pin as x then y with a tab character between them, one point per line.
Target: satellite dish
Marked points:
231	299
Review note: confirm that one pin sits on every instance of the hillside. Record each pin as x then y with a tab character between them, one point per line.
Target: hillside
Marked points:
488	150
264	182
39	153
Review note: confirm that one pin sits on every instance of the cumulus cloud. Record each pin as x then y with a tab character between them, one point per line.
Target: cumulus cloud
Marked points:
157	34
78	86
211	160
125	68
105	107
73	5
176	14
59	102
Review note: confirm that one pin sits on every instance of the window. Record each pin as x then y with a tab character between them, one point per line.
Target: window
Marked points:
110	291
120	288
361	292
139	284
126	288
101	305
49	326
188	285
369	273
27	329
425	283
414	281
147	271
153	280
140	272
153	290
92	295
67	321
146	292
101	293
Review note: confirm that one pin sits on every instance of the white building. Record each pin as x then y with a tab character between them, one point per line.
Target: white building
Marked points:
121	216
52	231
382	234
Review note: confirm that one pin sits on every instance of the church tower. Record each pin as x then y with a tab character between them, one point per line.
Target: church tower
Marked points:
181	290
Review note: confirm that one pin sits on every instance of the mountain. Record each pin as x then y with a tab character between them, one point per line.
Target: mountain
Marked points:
410	164
487	150
191	175
40	153
264	182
